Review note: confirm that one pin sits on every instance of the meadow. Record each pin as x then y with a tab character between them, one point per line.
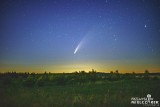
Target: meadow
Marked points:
78	89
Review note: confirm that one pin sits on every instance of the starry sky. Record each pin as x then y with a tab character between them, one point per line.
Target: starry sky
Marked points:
72	35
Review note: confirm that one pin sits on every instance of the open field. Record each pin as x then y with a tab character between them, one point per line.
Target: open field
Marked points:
76	89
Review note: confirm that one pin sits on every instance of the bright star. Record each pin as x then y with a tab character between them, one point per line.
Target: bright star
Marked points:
145	26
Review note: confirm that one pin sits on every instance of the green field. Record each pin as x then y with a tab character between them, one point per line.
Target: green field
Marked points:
76	89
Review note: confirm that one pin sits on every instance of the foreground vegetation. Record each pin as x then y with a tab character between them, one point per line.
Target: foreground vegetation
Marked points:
79	89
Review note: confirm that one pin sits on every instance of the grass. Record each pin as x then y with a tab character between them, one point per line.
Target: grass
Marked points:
89	94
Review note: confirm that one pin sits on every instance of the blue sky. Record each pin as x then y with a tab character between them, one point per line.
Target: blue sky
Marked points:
42	35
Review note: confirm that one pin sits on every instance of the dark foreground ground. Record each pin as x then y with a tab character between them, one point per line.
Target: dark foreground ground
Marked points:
76	89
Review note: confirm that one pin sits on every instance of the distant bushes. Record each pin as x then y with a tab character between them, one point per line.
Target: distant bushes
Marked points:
40	81
29	81
76	78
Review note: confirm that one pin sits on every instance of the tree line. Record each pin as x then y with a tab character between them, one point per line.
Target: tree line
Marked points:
74	78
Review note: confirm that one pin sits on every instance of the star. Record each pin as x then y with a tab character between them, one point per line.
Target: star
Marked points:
145	26
99	16
115	37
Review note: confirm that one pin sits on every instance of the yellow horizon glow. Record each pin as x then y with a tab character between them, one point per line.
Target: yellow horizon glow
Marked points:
69	67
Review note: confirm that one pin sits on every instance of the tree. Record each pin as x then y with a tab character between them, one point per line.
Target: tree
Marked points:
111	72
146	71
116	72
146	74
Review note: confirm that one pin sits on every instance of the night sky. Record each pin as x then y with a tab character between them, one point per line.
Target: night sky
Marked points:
73	35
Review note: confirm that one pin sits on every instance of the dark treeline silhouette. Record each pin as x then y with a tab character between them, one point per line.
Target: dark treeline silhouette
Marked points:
75	78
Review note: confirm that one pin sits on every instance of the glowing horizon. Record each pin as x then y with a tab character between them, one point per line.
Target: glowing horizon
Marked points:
101	66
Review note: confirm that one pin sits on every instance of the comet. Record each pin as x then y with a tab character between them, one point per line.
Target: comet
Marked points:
75	51
78	46
83	41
